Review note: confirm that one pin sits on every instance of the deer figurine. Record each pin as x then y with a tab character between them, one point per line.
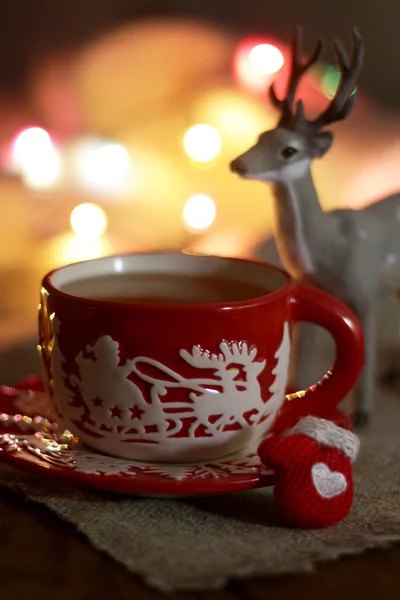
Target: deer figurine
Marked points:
351	254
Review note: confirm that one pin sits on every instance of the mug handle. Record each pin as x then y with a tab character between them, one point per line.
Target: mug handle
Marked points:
315	306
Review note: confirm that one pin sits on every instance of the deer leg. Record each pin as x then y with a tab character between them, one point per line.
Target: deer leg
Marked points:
303	346
392	375
362	396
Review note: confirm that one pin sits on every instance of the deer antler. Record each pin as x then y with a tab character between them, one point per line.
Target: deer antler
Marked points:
298	68
202	359
343	101
344	98
238	353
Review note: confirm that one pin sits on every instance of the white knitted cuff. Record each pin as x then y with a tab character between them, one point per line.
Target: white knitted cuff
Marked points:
328	434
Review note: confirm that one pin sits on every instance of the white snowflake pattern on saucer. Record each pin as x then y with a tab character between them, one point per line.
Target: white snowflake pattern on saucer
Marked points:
95	464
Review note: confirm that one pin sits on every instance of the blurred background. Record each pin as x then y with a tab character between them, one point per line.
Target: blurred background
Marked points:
118	121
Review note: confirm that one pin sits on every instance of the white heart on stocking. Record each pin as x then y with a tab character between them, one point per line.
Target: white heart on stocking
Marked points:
328	483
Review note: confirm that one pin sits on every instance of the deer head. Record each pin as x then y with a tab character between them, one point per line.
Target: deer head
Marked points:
284	153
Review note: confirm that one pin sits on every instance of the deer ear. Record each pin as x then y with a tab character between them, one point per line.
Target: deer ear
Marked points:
321	143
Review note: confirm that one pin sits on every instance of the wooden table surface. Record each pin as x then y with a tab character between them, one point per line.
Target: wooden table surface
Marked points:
41	556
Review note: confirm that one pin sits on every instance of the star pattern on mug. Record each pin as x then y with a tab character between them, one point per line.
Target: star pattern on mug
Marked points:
136	412
116	412
97	401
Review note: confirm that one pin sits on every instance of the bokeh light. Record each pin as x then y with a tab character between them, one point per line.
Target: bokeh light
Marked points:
28	142
199	212
36	159
76	249
255	64
202	142
102	167
330	81
266	59
239	117
88	221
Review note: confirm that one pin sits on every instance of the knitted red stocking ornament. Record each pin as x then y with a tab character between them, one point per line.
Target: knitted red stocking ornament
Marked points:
312	464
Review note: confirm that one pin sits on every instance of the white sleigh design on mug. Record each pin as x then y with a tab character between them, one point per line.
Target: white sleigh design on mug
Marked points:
128	405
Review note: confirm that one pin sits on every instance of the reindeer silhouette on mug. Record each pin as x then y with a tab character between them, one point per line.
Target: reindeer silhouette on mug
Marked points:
351	254
218	401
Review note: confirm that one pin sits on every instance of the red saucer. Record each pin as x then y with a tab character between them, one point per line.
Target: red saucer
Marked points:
31	439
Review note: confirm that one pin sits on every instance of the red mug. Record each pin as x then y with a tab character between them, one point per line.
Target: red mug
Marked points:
180	381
